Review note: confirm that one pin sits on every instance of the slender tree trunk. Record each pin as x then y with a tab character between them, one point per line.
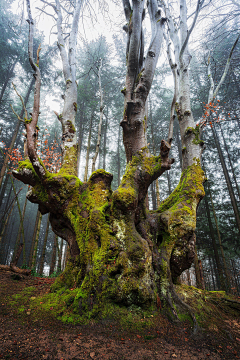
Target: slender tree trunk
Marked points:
20	231
100	120
179	145
7	202
80	137
230	162
105	141
221	248
188	277
219	268
199	283
5	162
118	157
212	273
4	188
33	239
34	257
154	149
169	183
201	274
227	178
88	146
44	247
9	75
54	251
2	242
17	256
59	268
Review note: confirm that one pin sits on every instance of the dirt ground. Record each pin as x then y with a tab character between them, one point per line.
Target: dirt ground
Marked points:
25	337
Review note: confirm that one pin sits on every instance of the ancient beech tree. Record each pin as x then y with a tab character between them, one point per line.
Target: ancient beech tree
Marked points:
121	253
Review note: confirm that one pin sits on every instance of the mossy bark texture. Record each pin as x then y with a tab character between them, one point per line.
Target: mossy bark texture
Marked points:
120	252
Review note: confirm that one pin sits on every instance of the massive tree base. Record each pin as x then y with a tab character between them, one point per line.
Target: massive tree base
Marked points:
120	253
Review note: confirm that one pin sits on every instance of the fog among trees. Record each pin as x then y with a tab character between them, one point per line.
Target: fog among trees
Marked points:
120	148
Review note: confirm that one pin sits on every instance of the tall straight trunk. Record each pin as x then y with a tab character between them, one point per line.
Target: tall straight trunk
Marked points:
188	277
9	75
44	247
215	250
230	162
20	231
212	273
66	256
221	248
59	268
169	183
179	145
54	251
88	146
154	149
34	257
199	283
201	274
6	159
118	157
4	188
105	141
227	178
153	194
80	137
100	120
234	272
2	242
33	239
7	202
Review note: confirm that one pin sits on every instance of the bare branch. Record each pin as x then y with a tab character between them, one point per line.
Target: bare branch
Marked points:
212	93
16	114
43	11
24	107
199	6
127	9
49	4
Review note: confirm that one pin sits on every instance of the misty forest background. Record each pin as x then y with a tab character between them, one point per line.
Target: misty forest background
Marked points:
218	224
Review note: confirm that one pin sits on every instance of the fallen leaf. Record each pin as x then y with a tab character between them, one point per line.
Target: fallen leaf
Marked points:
174	355
92	354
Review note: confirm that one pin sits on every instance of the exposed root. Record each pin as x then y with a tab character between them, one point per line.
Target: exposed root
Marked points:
15	269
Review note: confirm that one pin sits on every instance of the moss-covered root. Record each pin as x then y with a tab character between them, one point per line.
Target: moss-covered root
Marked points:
172	304
178	217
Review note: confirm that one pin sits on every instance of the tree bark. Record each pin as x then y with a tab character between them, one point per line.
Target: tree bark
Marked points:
6	159
227	178
9	75
120	253
100	120
44	248
88	146
53	261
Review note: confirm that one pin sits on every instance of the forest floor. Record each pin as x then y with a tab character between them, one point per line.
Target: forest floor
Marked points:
25	336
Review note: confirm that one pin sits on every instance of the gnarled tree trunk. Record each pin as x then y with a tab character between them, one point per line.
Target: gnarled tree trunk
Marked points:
120	253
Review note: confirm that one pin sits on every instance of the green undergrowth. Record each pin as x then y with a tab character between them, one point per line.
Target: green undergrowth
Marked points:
61	306
210	308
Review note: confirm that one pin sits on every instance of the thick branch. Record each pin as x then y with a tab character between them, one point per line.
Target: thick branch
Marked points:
31	125
184	45
226	69
61	43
